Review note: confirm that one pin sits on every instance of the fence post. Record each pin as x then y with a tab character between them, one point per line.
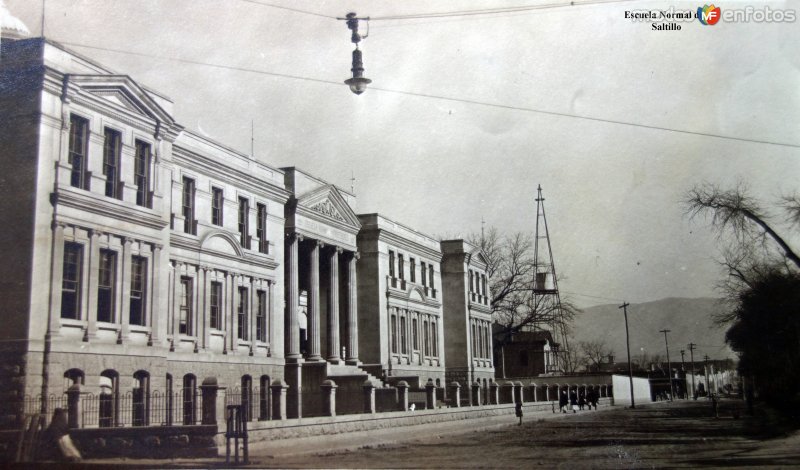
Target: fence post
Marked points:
279	388
369	396
519	393
455	394
493	395
74	406
402	387
210	390
328	398
476	394
430	395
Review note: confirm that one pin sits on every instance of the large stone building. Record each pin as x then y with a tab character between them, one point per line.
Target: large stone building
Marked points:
143	259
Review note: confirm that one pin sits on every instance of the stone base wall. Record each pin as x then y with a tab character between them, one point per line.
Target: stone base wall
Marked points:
147	442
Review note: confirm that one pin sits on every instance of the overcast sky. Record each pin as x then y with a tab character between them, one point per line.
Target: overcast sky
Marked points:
613	191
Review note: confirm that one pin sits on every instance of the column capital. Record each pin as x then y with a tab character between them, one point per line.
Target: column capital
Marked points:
292	236
355	255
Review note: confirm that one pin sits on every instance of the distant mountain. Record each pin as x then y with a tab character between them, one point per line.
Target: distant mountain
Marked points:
690	320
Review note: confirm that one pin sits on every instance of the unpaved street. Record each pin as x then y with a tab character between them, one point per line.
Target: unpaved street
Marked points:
659	435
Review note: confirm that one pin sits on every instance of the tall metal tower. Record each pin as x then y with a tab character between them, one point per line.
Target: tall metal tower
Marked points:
546	300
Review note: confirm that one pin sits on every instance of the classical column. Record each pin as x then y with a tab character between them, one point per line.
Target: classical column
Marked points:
94	278
352	311
314	353
292	298
235	312
333	310
57	273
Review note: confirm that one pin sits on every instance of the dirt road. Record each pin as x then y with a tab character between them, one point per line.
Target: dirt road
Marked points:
674	435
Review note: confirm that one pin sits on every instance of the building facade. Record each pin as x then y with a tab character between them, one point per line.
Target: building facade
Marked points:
400	299
468	315
144	259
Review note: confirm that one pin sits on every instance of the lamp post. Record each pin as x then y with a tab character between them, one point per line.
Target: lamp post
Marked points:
358	82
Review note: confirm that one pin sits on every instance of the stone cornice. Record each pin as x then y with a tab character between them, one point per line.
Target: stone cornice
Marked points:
405	244
202	164
112	208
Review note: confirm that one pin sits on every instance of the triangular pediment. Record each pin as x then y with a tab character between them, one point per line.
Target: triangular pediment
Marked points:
327	202
122	91
479	257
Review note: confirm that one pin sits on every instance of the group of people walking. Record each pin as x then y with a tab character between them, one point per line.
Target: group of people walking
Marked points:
577	401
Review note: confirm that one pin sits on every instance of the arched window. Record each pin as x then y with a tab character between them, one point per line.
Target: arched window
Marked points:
109	399
247	397
263	398
141	398
73	377
189	397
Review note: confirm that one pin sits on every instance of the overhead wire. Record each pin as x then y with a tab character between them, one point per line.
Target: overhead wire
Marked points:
492	11
444	98
295	10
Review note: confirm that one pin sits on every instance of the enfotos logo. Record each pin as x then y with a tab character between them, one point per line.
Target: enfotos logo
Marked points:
709	15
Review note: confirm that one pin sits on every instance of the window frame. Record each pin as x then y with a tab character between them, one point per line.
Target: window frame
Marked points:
142	160
112	158
77	291
185	311
188	205
107	272
138	263
78	146
217	206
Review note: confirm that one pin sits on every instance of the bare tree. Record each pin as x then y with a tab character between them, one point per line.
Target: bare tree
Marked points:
511	272
594	352
752	248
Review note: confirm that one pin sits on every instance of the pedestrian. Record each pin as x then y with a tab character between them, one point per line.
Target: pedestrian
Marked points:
573	400
581	401
563	401
595	398
519	412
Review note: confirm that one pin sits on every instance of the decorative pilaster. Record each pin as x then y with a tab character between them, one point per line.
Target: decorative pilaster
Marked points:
154	308
94	276
314	353
124	285
333	307
352	310
57	273
207	272
292	298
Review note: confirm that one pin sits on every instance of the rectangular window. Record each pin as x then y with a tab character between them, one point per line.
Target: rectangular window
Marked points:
424	274
391	263
185	314
430	276
241	312
78	151
394	333
434	340
426	338
470	281
71	281
244	225
261	228
483	284
216	305
400	267
414	335
403	345
112	149
141	170
217	202
412	266
105	286
261	317
138	290
189	225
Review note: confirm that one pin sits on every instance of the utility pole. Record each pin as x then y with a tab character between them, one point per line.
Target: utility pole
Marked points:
683	370
691	355
708	386
669	365
624	308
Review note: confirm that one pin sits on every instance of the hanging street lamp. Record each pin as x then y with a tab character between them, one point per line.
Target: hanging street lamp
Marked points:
358	83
